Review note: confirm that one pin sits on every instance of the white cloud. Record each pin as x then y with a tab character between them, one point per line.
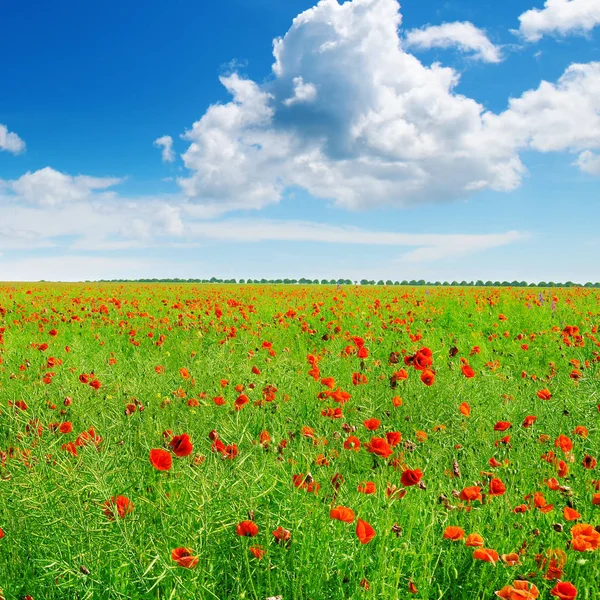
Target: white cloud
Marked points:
384	129
554	117
48	187
81	267
166	143
463	35
303	92
560	17
10	141
589	162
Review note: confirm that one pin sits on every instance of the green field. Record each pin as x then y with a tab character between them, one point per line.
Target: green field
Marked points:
270	382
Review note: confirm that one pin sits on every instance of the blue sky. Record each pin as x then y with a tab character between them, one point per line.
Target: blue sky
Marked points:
438	141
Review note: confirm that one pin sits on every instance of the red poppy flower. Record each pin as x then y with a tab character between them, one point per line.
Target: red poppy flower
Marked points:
367	487
181	445
379	446
465	409
564	590
161	459
474	540
411	477
372	424
246	528
584	538
66	427
183	557
342	513
257	551
428	377
486	555
352	443
393	438
471	493
122	504
497	488
282	535
454	533
519	590
364	532
502	426
467	371
570	514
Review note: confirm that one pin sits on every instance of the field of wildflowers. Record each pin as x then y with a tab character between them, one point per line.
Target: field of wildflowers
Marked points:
319	442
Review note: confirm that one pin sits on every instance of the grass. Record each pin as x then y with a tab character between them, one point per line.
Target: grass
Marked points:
58	543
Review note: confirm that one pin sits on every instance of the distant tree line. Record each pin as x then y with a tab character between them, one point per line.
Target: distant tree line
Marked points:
389	282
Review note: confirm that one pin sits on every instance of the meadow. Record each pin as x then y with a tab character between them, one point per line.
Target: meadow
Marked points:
299	442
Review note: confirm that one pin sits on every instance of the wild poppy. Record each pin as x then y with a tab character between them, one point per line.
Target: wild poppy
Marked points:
181	445
352	443
282	535
379	446
393	438
411	477
397	401
342	513
372	424
519	590
184	558
564	590
246	528
497	488
364	532
161	459
544	394
470	494
66	427
570	514
486	555
511	559
121	504
257	551
454	533
584	538
474	540
502	426
465	409
428	377
367	487
468	371
529	421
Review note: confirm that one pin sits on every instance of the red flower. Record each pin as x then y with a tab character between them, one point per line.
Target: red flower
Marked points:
367	487
181	445
161	459
352	443
65	427
467	371
428	377
246	528
393	438
183	557
379	446
257	551
372	424
502	426
411	477
564	590
122	504
497	488
342	513
364	532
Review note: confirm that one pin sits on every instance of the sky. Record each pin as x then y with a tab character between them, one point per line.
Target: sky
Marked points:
443	141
